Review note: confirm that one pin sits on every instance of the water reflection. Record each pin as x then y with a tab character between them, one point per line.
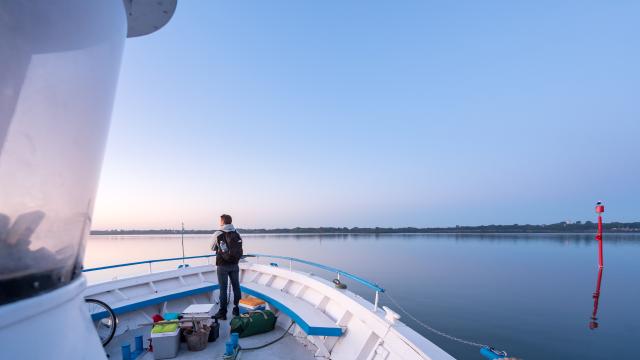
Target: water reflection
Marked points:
593	324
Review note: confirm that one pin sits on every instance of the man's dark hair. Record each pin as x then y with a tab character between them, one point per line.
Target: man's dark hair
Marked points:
226	219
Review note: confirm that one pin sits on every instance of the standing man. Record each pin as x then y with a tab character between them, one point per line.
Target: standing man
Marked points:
227	244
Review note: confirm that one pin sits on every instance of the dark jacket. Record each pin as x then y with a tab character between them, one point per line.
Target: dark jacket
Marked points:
228	248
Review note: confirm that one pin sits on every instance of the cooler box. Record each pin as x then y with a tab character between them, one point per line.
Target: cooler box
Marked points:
199	310
165	343
203	310
251	304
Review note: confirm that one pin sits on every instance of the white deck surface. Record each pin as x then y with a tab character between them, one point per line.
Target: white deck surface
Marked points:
287	348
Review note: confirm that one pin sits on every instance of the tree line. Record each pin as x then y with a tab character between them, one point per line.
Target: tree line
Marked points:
562	227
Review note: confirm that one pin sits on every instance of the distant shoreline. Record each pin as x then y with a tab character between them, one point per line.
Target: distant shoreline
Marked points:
577	227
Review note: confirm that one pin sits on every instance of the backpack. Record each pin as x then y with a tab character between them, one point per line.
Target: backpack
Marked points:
234	246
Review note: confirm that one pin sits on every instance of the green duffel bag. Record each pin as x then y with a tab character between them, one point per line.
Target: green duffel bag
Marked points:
252	323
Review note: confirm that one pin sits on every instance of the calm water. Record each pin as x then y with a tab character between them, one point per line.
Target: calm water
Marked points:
528	294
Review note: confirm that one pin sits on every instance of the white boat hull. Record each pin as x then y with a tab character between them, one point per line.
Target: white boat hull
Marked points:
367	334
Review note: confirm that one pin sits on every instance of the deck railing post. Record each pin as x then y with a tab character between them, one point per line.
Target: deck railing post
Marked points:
150	271
290	265
338	276
375	304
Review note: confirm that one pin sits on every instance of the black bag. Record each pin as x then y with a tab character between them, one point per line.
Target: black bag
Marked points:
233	244
214	333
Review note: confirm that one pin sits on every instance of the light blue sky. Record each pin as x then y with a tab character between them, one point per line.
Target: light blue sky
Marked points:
372	113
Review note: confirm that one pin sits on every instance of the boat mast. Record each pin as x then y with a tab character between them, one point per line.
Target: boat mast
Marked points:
182	242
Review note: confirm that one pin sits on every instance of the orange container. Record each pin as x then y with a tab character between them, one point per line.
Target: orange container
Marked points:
251	302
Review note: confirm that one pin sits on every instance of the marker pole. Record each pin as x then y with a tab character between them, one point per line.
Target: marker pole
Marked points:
599	211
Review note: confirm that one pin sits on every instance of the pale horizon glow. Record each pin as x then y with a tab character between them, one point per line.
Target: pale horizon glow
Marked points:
395	114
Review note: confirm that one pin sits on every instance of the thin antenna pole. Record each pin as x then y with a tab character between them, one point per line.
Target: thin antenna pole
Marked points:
182	241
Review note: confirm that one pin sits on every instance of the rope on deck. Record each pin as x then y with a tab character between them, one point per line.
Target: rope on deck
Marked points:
270	342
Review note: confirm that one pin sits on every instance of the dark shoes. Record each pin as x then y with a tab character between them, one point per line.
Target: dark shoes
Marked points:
220	315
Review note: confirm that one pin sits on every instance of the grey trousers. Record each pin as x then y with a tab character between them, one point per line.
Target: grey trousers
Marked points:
226	272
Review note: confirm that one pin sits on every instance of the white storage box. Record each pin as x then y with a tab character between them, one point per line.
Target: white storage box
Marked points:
199	311
166	345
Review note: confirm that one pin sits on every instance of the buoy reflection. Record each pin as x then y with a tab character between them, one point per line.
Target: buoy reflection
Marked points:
593	324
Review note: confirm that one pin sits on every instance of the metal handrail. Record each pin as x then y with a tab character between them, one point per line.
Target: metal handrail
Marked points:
146	262
365	282
362	281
